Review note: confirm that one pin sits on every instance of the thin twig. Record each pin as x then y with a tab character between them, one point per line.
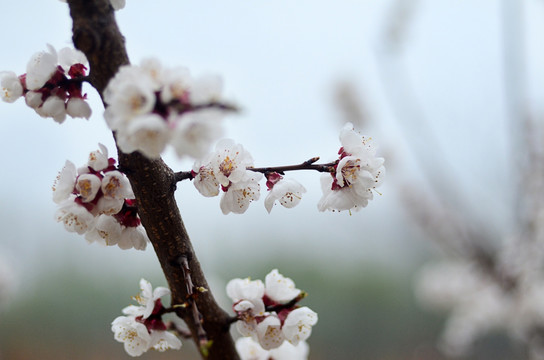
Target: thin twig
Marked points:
307	165
201	333
183	107
183	175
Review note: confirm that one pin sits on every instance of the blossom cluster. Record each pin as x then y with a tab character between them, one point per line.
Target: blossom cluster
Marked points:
151	106
52	84
143	328
97	200
479	305
268	312
348	182
356	174
226	169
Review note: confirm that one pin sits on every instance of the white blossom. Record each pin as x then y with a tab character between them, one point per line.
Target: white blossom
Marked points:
68	56
357	173
65	182
195	131
176	82
133	237
247	295
106	231
146	298
298	325
205	181
87	186
129	94
240	194
40	68
132	333
269	333
164	340
115	185
154	71
98	159
11	87
151	106
249	349
33	99
147	133
78	107
288	351
53	107
230	162
74	216
279	288
108	206
287	191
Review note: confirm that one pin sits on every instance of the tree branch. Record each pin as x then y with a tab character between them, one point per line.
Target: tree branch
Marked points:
95	32
307	165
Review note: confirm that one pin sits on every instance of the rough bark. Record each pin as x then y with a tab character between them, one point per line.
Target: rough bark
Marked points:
95	32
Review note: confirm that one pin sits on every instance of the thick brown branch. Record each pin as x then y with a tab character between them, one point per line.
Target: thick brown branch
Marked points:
95	32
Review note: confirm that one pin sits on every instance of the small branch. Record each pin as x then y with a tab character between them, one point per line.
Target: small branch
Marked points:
307	165
183	107
201	333
232	320
183	175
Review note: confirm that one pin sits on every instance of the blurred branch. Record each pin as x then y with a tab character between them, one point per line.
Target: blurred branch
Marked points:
95	32
349	102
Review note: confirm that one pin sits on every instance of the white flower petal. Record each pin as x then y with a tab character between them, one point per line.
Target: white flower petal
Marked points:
279	288
298	325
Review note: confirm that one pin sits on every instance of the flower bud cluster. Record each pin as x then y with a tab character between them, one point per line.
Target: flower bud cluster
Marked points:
150	106
268	313
143	328
52	84
97	200
228	170
355	175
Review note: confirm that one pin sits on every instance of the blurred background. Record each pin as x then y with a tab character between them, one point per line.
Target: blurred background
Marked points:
440	86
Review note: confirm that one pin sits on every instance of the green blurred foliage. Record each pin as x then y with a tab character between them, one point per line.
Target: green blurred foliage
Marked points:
365	312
